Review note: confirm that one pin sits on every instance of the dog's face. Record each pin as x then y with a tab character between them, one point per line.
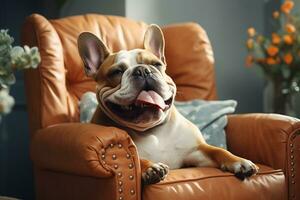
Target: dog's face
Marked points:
132	86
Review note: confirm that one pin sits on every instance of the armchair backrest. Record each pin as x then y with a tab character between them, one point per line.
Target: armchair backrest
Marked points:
54	89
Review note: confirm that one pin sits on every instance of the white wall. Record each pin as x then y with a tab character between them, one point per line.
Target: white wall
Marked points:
226	23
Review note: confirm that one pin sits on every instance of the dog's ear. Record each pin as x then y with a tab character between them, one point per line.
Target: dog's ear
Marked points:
92	52
154	41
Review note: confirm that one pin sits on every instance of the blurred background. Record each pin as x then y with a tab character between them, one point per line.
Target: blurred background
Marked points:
226	23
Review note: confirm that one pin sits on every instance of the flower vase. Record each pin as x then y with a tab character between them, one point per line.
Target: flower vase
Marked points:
282	97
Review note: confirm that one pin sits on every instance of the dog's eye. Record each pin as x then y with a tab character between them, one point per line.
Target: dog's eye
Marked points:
117	72
156	64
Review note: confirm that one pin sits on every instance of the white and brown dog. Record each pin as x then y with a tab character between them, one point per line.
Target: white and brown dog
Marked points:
135	94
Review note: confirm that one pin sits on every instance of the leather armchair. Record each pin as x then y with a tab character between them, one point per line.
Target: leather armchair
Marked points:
88	161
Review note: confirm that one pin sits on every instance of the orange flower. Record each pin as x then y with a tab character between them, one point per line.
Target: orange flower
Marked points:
276	38
288	58
288	39
272	50
271	61
249	60
287	6
250	43
251	32
276	15
290	28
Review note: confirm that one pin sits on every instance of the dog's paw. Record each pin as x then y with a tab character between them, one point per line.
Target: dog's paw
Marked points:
242	169
155	173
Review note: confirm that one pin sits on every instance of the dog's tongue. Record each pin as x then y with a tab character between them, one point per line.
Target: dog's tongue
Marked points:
151	97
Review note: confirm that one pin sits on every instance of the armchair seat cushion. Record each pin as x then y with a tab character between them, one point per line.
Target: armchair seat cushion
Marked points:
212	183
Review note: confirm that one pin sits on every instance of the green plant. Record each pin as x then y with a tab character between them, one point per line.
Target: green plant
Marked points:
13	58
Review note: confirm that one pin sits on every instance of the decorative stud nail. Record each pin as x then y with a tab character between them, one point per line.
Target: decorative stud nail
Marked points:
127	156
291	145
131	177
120	190
104	162
103	156
292	151
116	166
114	157
130	166
120	145
119	174
292	163
120	183
293	182
111	145
292	169
292	157
131	191
120	198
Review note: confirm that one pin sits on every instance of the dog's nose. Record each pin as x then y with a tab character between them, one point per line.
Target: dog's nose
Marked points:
141	71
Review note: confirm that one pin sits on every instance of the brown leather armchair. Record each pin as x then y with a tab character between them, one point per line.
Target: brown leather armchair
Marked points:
74	161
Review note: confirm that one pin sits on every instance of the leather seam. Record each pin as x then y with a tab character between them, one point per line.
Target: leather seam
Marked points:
121	140
99	159
127	151
221	176
292	137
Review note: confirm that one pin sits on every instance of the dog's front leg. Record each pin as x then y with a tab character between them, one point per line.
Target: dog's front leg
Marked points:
225	160
153	172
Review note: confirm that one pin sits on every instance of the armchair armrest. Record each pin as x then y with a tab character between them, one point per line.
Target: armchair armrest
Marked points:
89	150
270	139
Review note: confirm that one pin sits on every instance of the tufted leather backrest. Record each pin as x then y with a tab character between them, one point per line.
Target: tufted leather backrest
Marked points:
54	89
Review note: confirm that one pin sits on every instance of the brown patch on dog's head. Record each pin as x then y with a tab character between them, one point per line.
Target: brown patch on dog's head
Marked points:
97	59
148	58
103	77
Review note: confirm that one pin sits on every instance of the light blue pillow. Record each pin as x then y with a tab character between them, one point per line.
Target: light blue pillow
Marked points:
210	117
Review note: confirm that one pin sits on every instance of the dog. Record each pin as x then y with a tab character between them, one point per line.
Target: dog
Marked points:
135	94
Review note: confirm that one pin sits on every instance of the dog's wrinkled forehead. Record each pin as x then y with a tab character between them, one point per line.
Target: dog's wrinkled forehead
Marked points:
127	57
134	57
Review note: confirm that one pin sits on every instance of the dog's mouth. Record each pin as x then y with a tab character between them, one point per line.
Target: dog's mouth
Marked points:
147	102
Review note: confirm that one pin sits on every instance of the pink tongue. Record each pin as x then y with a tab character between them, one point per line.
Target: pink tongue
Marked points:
152	98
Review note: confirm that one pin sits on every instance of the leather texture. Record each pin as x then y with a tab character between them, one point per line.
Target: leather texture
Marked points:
63	148
270	139
86	161
211	183
190	57
53	185
87	150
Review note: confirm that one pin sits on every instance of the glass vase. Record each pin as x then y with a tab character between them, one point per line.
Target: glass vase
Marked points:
282	97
